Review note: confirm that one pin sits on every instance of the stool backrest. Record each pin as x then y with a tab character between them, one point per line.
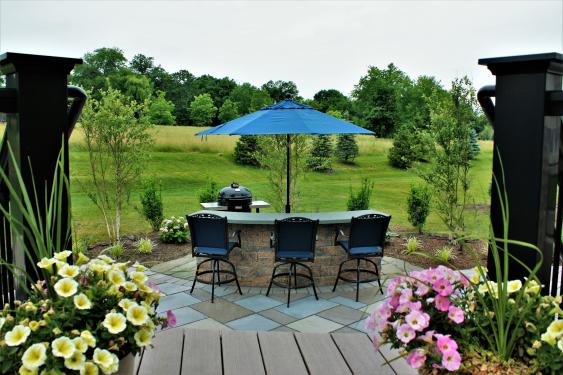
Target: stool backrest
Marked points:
208	230
296	234
369	230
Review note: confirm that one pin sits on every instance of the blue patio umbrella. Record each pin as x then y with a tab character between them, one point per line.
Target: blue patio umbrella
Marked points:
289	118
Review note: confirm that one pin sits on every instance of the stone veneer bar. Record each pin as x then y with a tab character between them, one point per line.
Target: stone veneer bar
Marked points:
255	260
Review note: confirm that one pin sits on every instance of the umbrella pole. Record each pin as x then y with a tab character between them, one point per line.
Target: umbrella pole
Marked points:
288	177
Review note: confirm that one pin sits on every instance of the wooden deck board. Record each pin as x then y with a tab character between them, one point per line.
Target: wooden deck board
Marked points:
202	353
166	356
321	354
359	354
241	353
280	354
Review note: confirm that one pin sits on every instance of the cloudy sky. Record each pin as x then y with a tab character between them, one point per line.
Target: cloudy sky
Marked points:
316	44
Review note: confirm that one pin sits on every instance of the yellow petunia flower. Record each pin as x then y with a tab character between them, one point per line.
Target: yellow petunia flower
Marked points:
34	357
25	371
68	271
138	277
63	347
139	267
82	259
115	323
555	329
34	325
62	255
137	315
98	266
80	344
82	302
130	287
547	337
117	277
113	367
45	263
89	369
103	358
106	259
17	335
513	286
143	337
533	287
88	338
126	303
76	361
66	287
2	321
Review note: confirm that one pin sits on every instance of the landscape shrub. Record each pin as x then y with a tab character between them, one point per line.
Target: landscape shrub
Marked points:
360	200
151	203
418	206
411	246
320	159
487	133
347	148
174	230
445	254
402	155
474	148
209	192
145	246
246	150
116	250
160	110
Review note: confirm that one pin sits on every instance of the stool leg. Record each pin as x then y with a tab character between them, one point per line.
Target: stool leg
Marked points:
213	281
337	276
218	274
313	284
378	279
271	280
195	278
357	279
295	276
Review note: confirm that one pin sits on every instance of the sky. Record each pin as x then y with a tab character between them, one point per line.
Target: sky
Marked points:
316	44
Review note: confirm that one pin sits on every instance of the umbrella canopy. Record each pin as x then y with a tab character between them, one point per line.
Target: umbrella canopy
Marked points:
287	118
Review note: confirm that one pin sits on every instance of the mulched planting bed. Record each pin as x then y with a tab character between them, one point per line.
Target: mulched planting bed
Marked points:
161	252
429	244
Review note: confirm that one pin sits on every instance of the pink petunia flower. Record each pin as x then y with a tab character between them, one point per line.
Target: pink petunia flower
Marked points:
442	303
151	284
170	319
445	343
455	314
405	333
406	296
416	320
416	358
384	311
443	287
422	290
427	337
451	360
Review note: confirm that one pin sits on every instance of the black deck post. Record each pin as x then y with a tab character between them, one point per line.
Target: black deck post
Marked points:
39	127
527	141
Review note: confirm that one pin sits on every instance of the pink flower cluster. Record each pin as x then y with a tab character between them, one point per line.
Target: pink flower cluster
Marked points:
417	304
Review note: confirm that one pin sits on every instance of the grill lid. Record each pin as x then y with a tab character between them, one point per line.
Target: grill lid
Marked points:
235	192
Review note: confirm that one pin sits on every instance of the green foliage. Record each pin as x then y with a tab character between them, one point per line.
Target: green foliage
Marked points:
331	99
145	246
448	176
228	111
282	90
445	254
209	192
411	246
174	230
160	110
117	137
151	203
249	98
320	158
79	245
272	156
474	148
246	150
402	155
347	148
142	64
360	200
202	110
418	206
116	250
487	133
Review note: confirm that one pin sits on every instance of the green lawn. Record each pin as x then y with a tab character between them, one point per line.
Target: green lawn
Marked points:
183	161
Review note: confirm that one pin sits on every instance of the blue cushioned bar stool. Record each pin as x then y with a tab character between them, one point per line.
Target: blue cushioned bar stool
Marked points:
210	239
294	243
367	239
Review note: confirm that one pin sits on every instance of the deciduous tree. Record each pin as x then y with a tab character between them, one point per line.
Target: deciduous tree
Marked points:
202	110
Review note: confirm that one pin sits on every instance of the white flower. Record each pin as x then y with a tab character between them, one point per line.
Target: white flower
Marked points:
63	347
185	225
126	303
25	371
46	263
176	227
143	337
117	277
34	356
17	335
82	302
138	277
137	315
165	230
115	323
76	361
555	329
63	255
89	368
68	271
513	286
80	344
66	287
105	359
88	338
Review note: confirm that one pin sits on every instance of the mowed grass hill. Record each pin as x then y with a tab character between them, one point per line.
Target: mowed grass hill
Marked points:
183	162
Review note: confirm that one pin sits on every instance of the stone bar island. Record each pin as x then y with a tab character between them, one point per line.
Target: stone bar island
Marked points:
254	261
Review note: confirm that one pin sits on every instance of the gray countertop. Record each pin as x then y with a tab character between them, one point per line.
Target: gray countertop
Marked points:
249	218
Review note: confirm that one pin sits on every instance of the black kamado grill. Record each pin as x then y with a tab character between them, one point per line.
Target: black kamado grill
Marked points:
235	198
